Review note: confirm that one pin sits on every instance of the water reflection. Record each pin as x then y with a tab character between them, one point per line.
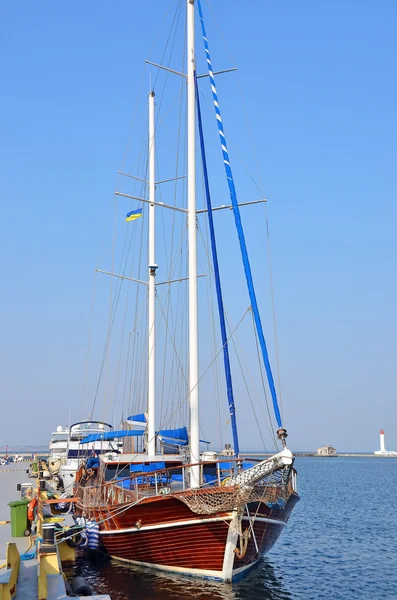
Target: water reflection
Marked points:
263	582
126	582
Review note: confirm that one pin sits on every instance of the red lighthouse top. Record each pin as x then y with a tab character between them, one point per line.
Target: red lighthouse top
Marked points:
382	432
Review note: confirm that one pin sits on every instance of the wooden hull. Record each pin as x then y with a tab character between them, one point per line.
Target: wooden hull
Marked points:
163	533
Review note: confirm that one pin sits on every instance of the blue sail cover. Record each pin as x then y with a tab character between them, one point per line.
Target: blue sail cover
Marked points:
174	437
139	420
111	435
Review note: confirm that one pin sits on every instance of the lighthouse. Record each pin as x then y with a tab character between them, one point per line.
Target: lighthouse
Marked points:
382	451
382	441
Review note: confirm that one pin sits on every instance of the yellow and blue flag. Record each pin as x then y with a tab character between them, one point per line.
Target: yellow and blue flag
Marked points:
134	214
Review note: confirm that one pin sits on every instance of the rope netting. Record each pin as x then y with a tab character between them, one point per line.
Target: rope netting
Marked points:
273	491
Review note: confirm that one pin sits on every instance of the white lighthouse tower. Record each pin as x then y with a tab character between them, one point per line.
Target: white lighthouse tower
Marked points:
382	441
382	451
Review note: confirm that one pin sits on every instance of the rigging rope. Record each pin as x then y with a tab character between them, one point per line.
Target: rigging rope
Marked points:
173	260
226	359
112	320
89	347
213	329
274	311
237	218
259	189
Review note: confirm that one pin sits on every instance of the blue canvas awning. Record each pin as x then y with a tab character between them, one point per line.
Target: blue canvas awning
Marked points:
139	420
174	437
111	435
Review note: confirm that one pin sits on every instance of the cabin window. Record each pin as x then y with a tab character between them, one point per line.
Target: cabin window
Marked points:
116	470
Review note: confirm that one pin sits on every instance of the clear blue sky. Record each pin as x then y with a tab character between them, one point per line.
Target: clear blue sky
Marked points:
320	93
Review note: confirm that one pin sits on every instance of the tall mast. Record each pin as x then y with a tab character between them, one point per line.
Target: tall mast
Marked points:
151	448
191	205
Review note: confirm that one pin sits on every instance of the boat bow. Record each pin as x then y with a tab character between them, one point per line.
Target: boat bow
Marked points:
253	475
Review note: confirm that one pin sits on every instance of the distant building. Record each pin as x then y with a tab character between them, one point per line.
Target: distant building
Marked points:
227	451
326	451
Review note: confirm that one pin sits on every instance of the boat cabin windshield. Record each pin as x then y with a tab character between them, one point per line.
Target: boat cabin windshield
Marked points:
59	437
79	431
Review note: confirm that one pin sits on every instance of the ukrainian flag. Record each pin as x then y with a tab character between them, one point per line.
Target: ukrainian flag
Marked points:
134	214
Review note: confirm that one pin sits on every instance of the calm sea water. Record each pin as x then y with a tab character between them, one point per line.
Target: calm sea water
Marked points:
340	544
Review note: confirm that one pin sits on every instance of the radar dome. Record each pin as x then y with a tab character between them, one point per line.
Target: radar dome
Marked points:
101	425
59	428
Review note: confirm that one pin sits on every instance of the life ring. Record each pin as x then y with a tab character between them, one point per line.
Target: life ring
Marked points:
31	509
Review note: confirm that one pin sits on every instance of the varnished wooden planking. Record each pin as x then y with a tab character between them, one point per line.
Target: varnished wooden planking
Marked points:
191	546
171	510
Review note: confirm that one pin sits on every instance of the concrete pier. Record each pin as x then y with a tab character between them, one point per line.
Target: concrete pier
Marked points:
314	454
27	583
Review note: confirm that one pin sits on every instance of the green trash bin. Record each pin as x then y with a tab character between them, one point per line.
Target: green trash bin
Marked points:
19	517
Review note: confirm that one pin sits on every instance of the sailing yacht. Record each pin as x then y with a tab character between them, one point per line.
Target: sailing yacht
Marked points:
172	507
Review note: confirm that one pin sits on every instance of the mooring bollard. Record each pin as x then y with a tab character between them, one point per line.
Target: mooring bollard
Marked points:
48	543
49	534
